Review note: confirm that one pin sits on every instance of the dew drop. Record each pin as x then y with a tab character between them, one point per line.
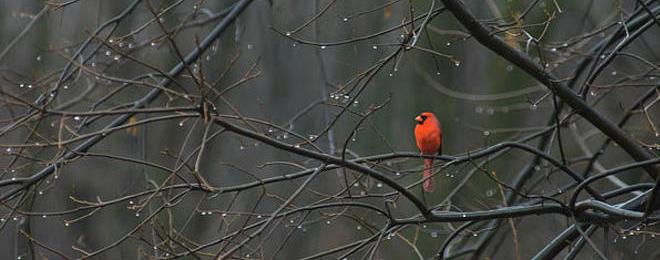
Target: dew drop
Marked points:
288	33
108	53
38	58
490	193
379	185
374	47
345	19
76	118
614	73
323	47
457	63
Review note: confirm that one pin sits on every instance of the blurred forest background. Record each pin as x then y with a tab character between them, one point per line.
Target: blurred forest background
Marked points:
121	141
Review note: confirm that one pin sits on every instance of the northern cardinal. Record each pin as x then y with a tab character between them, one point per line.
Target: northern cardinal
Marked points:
428	137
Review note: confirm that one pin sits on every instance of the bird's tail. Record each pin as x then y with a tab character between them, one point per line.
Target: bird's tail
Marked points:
428	184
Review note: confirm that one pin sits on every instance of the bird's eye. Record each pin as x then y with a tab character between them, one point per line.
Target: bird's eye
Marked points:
424	117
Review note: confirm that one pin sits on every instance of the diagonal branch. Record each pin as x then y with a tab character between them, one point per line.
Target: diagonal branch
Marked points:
494	43
142	102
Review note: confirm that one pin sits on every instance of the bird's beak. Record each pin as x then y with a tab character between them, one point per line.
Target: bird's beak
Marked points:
419	119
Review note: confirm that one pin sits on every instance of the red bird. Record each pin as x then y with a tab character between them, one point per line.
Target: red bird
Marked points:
428	137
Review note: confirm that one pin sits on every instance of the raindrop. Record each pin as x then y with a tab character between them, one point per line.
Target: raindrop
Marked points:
614	73
38	58
153	44
437	73
41	193
297	146
137	214
241	147
44	216
345	19
21	85
181	124
328	222
8	149
509	68
464	215
224	214
117	57
130	45
397	173
602	57
448	44
288	33
533	106
108	53
457	63
553	49
323	47
475	234
391	75
434	234
490	192
359	227
29	85
624	237
77	118
65	86
66	224
312	137
379	185
374	47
